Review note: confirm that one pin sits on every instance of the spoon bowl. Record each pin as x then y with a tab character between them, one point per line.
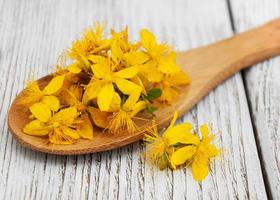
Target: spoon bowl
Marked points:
207	67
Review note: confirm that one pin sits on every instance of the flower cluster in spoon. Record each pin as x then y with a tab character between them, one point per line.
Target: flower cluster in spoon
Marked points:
104	82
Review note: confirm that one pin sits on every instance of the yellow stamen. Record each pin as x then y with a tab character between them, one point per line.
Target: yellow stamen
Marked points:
121	121
157	150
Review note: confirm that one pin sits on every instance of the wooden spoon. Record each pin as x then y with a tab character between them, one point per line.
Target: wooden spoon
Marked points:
207	66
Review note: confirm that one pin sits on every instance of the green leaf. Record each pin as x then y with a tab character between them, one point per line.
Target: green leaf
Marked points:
151	109
153	94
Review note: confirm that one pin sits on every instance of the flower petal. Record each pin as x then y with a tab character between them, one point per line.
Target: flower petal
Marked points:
74	134
84	63
129	72
148	40
126	86
85	128
66	115
206	136
167	65
100	118
135	58
181	134
183	154
131	100
151	72
169	93
36	127
204	130
41	112
54	85
77	91
116	50
30	95
101	71
68	98
212	150
178	78
98	59
200	168
137	80
139	106
105	97
92	90
116	103
173	121
52	102
74	68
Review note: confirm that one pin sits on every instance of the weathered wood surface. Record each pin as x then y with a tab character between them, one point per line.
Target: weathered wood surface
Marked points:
33	33
263	88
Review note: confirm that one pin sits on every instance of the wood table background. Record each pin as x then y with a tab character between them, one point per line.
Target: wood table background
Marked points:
244	109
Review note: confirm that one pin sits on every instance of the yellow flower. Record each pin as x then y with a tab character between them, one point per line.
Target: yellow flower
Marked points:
169	86
92	42
162	147
124	52
205	151
127	59
154	50
162	58
61	127
72	97
33	94
122	39
122	118
104	80
198	155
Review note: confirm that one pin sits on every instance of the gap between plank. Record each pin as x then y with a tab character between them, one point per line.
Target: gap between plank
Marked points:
255	131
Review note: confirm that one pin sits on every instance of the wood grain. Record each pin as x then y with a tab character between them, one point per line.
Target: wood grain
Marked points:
262	83
33	33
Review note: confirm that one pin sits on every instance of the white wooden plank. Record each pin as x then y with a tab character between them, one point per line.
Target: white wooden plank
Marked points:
263	85
33	33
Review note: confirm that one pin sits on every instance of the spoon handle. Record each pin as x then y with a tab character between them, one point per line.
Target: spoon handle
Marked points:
218	61
253	46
